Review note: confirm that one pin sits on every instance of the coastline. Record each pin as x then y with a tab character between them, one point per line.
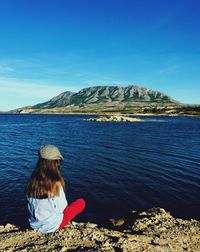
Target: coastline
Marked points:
103	114
153	230
137	108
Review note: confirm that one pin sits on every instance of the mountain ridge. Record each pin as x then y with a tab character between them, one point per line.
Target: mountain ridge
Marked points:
130	99
106	94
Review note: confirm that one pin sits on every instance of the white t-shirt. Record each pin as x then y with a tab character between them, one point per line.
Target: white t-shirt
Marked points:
45	215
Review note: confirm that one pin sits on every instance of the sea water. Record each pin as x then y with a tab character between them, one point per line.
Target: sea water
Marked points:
115	167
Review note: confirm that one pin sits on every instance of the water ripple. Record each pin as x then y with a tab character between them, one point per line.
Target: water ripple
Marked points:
116	167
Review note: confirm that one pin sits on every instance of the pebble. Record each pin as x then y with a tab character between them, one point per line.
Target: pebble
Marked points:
91	225
63	249
8	226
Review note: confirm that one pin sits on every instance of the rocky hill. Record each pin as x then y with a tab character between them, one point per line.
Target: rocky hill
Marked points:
109	99
106	94
113	99
154	230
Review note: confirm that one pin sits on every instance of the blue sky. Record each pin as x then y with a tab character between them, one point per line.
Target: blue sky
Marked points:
48	47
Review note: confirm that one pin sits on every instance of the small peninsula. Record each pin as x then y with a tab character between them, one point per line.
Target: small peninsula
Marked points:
150	231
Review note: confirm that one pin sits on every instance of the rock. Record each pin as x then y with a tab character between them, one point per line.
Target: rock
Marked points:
117	223
153	230
63	249
115	118
91	225
8	226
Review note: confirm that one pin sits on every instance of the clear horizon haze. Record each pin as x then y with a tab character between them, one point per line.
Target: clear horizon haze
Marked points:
48	47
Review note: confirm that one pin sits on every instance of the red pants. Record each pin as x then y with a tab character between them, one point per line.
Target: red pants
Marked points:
71	211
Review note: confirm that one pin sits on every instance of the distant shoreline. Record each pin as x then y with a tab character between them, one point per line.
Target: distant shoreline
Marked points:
102	114
102	109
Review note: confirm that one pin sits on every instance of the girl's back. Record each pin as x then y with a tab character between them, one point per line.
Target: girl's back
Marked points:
47	204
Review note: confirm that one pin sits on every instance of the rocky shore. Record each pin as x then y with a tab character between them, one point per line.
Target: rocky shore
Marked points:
154	230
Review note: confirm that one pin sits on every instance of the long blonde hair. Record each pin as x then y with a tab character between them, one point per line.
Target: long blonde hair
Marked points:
45	180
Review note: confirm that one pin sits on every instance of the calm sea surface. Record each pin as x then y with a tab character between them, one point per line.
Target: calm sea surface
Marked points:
116	167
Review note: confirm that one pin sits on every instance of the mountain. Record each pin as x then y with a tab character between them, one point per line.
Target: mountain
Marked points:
106	95
113	99
60	100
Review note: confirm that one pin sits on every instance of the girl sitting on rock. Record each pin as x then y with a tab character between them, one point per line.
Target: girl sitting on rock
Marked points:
47	204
